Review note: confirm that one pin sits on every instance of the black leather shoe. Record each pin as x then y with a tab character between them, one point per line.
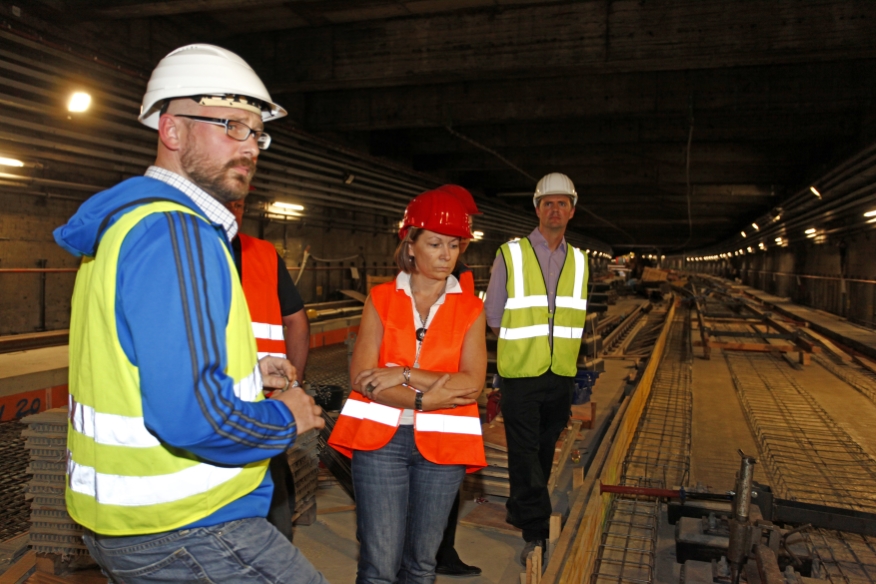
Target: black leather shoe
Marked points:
457	568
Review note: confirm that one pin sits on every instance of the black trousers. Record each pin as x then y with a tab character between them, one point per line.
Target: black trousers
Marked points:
447	551
535	410
283	499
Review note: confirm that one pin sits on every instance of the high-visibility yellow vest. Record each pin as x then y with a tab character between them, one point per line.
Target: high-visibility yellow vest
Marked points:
526	346
121	479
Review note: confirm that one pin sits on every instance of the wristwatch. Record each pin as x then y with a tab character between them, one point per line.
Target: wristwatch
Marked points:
418	401
406	373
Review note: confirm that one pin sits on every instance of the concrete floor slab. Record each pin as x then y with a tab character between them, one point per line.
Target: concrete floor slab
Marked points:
718	427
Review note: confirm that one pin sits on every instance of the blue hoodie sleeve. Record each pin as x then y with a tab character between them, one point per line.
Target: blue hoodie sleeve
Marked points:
172	305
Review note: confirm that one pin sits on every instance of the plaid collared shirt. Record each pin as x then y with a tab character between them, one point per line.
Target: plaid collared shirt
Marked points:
213	209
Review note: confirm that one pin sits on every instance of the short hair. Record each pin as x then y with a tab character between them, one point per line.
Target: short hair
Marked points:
404	259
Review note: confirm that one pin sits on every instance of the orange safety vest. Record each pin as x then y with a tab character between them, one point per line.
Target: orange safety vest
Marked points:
259	265
448	436
466	281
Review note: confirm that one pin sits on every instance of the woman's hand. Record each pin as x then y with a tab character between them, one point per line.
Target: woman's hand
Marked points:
379	379
438	397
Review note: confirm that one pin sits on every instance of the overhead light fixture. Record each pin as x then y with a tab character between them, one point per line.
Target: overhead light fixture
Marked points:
870	213
289	206
743	234
756	228
778	240
478	235
79	102
811	230
10	162
349	178
285	209
815	192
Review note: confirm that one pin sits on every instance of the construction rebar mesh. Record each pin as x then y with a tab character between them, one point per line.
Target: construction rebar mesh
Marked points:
857	377
810	458
659	456
14	510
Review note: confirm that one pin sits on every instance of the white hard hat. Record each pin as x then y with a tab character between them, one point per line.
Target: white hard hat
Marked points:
217	76
555	183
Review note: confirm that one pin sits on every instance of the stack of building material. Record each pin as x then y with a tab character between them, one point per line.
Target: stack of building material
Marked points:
52	531
303	459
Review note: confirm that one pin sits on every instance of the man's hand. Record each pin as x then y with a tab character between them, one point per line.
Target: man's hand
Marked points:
307	414
276	372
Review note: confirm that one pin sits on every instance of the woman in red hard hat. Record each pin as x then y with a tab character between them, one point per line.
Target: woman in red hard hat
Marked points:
411	423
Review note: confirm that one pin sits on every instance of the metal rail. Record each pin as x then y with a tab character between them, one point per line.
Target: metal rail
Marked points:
659	456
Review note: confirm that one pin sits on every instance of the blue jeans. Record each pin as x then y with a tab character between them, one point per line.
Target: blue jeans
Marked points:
245	550
402	503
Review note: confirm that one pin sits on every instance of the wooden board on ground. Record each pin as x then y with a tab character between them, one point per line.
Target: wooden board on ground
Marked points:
20	570
491	517
354	294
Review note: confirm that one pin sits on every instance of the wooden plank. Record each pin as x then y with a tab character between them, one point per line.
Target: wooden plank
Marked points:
756	347
581	497
866	363
571	437
338	509
17	572
833	349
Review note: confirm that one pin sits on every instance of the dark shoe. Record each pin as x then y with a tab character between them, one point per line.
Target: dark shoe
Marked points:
529	548
457	568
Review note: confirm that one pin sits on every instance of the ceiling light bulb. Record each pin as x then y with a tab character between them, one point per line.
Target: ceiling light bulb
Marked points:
756	228
478	234
870	213
815	192
10	162
292	206
743	234
810	230
79	102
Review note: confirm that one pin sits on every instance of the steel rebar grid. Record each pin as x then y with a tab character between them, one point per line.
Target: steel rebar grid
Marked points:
845	557
807	455
659	455
861	380
14	509
796	435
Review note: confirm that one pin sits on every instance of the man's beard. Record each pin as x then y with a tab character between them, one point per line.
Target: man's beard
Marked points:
218	183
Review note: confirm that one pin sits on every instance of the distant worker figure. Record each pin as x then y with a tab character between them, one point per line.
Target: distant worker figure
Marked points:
169	435
449	562
536	304
281	329
411	425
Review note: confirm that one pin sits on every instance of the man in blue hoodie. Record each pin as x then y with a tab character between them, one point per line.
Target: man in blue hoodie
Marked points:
169	435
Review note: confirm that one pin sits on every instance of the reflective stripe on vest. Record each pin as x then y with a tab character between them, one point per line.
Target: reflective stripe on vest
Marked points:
259	278
121	479
526	347
448	436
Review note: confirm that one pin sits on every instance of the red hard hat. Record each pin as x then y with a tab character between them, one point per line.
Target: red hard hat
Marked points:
437	211
463	196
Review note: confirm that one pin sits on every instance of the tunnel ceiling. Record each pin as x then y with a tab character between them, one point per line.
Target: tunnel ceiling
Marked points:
656	109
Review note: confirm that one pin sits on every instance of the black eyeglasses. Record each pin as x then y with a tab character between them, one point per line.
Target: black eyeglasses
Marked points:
234	129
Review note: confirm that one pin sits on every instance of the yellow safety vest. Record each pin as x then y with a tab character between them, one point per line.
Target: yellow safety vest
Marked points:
121	480
526	346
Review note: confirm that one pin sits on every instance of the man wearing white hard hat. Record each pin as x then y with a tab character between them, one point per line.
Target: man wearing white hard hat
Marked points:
170	435
536	304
